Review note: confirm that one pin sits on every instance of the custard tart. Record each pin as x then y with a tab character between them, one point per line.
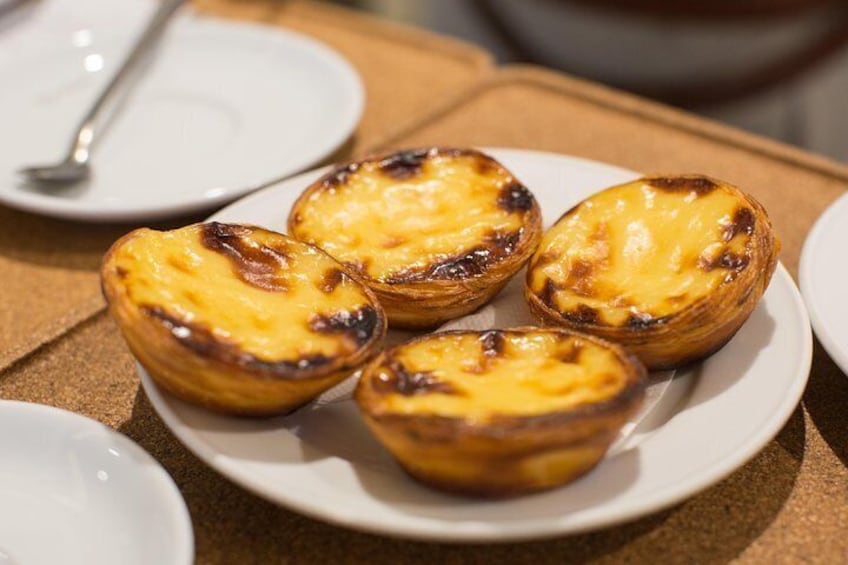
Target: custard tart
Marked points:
500	412
434	232
668	266
237	318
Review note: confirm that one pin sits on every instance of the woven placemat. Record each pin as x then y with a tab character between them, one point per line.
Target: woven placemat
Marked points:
49	266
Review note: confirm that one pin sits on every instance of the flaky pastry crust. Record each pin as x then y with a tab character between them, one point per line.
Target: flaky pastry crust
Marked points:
239	319
501	412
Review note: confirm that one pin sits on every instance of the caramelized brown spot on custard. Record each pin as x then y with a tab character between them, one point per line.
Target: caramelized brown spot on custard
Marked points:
485	166
359	325
493	343
200	339
579	279
121	272
471	263
331	279
600	234
339	176
698	185
504	243
405	165
580	269
515	197
743	222
408	163
726	260
582	314
402	381
257	266
548	294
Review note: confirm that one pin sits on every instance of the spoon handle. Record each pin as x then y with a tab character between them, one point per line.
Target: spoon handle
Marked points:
85	131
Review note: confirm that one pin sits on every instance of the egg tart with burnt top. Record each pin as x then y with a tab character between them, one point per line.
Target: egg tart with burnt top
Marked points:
237	318
434	232
668	266
500	412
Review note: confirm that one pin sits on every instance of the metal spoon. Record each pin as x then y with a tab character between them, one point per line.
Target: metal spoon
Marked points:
75	166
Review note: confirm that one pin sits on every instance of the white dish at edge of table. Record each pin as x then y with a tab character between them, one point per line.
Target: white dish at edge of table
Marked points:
224	108
823	276
323	462
74	491
37	24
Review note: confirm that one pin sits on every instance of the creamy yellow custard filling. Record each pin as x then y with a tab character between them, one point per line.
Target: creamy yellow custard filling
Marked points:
391	218
498	373
643	250
268	295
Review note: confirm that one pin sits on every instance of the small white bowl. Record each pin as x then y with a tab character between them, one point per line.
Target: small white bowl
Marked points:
75	491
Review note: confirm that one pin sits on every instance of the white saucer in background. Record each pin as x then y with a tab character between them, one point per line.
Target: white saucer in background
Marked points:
224	108
32	25
74	491
823	276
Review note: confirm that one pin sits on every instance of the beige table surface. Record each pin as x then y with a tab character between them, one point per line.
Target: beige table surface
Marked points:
788	504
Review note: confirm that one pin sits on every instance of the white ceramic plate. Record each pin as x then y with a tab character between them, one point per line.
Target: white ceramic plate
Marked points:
323	462
224	108
74	491
33	24
823	275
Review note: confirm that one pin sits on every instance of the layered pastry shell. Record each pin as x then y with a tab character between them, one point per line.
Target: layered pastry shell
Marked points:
239	319
668	266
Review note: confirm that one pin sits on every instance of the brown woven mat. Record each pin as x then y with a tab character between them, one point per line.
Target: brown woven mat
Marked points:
788	504
49	266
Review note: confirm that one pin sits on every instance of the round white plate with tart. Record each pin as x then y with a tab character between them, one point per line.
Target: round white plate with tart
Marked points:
75	491
224	108
823	279
701	425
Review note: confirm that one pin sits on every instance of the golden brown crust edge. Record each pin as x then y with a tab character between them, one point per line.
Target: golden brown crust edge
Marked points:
693	333
427	304
514	455
208	382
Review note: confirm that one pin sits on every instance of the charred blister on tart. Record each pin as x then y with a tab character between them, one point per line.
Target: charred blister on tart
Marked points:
434	232
500	412
668	266
237	318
